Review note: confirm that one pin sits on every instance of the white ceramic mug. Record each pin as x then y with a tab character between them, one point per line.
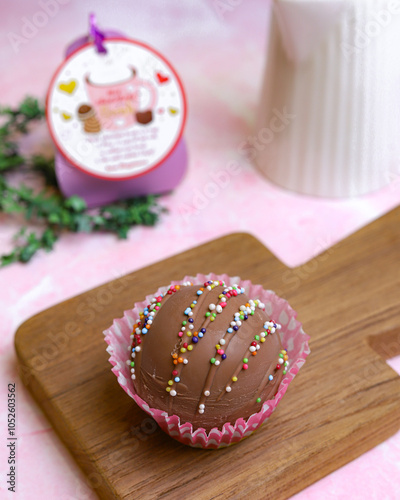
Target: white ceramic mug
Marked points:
333	78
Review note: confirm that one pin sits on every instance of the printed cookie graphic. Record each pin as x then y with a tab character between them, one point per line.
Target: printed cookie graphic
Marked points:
144	117
88	117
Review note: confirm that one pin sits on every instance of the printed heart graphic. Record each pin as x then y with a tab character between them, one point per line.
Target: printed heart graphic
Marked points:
162	78
173	111
68	87
66	116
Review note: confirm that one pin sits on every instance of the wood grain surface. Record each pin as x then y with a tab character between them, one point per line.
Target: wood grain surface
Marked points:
344	401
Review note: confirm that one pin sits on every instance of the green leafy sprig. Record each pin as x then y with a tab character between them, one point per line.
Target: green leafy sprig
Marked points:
48	207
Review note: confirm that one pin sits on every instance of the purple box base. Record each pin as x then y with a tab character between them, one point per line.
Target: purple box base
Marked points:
97	192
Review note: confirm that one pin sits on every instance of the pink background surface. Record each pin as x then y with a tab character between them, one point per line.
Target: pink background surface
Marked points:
220	59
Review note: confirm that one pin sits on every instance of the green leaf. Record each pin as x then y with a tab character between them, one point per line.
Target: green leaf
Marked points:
122	232
31	109
98	220
54	218
48	239
48	207
6	260
9	205
45	167
76	203
83	223
28	251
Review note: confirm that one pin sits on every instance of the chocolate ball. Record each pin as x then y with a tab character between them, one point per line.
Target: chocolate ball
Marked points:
207	353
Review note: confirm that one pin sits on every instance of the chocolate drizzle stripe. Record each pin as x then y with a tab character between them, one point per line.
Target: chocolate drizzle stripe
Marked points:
200	299
138	361
138	357
265	381
179	367
239	368
228	337
210	376
211	373
213	368
248	355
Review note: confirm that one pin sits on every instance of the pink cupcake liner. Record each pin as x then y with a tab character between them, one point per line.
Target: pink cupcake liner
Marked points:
293	339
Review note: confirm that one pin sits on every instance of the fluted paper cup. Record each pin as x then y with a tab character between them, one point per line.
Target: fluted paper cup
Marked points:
293	339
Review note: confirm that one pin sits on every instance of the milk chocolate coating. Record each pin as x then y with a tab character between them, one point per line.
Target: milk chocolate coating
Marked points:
154	363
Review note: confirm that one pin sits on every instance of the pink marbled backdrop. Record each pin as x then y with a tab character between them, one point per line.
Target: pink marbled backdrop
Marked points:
220	59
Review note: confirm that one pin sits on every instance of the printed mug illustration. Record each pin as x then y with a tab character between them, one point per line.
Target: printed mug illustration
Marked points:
118	105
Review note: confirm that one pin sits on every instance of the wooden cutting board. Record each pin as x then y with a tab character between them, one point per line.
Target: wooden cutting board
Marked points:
344	401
